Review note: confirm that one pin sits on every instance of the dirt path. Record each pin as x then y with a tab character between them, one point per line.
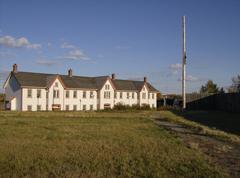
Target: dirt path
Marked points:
224	153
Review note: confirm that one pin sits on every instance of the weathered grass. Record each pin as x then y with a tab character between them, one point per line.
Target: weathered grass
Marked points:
171	116
94	144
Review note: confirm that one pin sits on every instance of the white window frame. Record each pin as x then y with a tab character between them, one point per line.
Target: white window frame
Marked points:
29	93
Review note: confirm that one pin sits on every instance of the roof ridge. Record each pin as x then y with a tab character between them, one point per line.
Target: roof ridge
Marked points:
129	80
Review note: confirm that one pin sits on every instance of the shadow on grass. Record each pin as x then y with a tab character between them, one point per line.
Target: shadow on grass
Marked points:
229	122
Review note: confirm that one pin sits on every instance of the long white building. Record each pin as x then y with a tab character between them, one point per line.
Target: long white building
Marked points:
28	91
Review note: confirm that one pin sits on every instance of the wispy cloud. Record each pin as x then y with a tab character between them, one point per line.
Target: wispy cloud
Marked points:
46	62
175	68
49	44
23	42
76	54
122	47
191	78
66	45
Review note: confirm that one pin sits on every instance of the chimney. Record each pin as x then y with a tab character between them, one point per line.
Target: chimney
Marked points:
145	79
70	73
113	76
14	68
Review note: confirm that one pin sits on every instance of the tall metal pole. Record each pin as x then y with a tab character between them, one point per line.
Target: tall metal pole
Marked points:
184	63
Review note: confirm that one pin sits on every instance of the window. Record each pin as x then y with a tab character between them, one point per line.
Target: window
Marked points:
91	107
46	94
128	95
91	95
132	95
47	107
67	94
107	94
107	87
75	94
152	105
56	84
84	107
120	95
74	107
38	93
143	95
153	96
67	107
38	107
115	95
55	93
29	93
143	88
84	94
148	95
29	108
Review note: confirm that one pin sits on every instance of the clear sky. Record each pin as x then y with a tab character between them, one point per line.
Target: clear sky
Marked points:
132	38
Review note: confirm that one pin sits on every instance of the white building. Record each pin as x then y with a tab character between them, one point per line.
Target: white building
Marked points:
27	91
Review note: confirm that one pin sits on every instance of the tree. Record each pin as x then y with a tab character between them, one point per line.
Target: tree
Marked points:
235	88
209	88
221	91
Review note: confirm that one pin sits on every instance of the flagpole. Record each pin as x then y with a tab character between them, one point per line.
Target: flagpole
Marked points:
184	63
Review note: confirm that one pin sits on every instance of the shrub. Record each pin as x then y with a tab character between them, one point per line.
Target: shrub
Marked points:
145	107
134	107
119	106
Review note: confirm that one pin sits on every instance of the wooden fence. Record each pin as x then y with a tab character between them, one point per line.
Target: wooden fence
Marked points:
225	102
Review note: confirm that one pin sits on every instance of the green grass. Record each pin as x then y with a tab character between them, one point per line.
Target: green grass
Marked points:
94	144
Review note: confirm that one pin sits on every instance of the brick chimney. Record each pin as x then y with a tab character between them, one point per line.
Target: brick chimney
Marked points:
70	72
145	79
113	76
14	68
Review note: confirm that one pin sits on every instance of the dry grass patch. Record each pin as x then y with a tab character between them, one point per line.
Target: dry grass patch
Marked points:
94	144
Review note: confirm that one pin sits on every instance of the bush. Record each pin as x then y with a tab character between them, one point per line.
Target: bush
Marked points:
119	106
145	107
134	107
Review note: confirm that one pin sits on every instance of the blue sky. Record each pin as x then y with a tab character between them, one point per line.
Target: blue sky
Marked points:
132	38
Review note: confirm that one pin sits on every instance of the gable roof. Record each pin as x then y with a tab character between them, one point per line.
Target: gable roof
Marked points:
43	80
132	85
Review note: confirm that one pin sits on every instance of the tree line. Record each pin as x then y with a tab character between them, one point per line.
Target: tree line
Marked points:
211	88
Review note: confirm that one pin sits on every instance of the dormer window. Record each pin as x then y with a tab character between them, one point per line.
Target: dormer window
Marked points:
55	93
56	84
107	87
143	95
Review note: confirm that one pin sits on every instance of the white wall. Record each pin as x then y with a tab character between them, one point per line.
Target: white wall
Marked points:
103	100
51	99
80	101
33	101
13	90
148	97
125	100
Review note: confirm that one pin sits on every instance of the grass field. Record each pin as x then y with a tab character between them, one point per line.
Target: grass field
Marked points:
95	144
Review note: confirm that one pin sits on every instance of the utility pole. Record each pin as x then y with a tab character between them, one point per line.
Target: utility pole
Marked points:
184	63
